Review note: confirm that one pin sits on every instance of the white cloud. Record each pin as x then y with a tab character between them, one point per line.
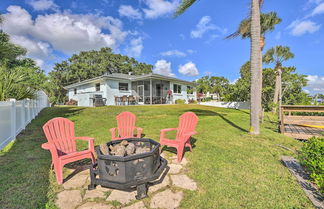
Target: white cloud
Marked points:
35	49
204	26
40	5
175	53
39	62
135	48
190	51
130	12
164	68
66	32
158	8
318	10
314	1
315	84
17	21
188	69
299	28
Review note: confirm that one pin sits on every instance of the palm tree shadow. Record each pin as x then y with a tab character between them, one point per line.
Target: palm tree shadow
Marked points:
199	112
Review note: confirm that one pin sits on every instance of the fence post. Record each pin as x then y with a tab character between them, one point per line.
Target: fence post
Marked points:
23	114
34	108
28	112
13	118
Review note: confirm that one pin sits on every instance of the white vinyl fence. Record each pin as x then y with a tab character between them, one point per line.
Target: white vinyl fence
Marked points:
233	105
15	116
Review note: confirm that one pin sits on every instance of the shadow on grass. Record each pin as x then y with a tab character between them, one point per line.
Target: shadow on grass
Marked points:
174	150
200	112
25	166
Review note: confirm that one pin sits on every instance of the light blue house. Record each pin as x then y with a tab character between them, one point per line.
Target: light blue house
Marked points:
146	89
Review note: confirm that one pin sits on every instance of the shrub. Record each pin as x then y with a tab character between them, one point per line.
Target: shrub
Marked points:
312	157
207	99
192	101
180	101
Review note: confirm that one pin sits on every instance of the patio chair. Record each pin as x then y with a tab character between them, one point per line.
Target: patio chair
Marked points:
186	128
124	99
131	100
62	145
117	100
125	126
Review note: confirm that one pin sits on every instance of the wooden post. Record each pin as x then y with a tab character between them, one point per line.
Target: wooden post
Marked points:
282	122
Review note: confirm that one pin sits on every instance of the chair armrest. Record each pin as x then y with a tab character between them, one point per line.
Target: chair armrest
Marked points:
52	149
139	132
47	146
168	129
189	134
113	133
84	138
163	131
89	139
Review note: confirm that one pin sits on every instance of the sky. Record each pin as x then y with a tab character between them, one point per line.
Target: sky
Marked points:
187	47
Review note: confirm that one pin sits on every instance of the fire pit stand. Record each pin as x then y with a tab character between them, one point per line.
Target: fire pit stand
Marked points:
129	172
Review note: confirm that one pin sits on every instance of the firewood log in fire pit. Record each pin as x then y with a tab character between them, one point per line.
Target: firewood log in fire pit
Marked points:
124	148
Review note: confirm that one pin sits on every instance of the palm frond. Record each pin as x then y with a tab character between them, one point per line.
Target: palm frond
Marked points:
268	22
185	4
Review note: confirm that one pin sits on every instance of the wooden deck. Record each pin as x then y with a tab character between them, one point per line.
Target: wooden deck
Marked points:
301	132
295	117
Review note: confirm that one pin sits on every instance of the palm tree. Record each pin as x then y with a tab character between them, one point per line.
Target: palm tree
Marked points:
255	57
277	55
268	21
13	84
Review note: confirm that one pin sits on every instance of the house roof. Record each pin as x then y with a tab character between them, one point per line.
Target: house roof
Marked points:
121	76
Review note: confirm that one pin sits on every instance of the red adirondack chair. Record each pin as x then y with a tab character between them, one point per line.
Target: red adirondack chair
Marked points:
186	128
125	126
62	145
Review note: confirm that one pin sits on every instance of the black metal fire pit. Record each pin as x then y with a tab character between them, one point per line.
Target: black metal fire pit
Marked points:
129	172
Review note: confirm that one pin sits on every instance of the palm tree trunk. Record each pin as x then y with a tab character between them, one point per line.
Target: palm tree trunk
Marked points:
262	43
255	68
277	89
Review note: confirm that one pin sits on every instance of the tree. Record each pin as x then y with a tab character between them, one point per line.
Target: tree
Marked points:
9	52
15	83
255	56
277	55
240	90
90	64
20	78
268	21
219	86
213	84
293	85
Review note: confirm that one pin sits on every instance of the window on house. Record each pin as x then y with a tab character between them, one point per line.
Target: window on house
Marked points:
176	88
189	90
97	86
123	86
75	91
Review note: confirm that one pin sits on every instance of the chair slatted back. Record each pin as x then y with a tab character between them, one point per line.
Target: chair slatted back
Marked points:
187	123
126	124
60	132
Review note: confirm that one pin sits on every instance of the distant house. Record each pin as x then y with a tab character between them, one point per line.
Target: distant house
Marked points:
124	89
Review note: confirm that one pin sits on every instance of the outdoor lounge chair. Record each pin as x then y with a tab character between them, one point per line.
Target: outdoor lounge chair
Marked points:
62	145
186	128
126	125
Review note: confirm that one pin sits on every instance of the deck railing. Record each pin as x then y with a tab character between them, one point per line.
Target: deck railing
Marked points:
299	117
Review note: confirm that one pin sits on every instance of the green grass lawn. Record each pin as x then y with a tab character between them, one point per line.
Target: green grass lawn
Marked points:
232	168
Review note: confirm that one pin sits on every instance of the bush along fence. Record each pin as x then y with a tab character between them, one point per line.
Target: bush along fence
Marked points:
16	115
